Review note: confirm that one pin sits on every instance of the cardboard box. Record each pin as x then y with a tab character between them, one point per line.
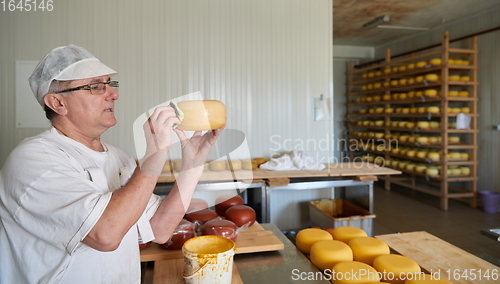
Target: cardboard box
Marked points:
334	213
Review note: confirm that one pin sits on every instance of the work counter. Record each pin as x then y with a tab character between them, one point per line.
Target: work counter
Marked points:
287	190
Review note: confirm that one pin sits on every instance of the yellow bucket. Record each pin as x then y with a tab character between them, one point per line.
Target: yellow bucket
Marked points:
208	259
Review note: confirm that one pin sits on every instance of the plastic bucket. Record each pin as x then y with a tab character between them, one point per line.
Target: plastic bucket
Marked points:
208	260
490	200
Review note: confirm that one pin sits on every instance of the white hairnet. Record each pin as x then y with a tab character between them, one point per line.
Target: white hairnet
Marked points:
65	63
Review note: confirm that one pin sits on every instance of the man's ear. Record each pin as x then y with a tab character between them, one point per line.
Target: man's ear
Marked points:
56	102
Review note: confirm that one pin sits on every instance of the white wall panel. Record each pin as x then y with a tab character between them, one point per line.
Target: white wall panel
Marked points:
265	59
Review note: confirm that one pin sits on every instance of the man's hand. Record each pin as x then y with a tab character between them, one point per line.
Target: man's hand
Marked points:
158	132
195	150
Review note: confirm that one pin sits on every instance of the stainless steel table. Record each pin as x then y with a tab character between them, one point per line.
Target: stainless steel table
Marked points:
284	266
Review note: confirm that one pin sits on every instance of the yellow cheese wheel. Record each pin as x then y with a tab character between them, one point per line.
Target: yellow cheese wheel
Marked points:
366	249
395	69
410	124
464	78
433	109
402	68
354	272
177	165
394	82
421	109
386	97
217	165
459	61
434	139
411	81
422	139
364	75
201	115
387	70
403	81
431	77
410	66
346	233
463	94
453	139
234	165
379	110
454	77
377	85
389	110
465	171
434	124
465	109
435	61
403	96
435	156
455	172
307	237
451	61
376	98
402	124
378	73
423	124
453	93
167	167
419	79
260	160
421	169
371	74
325	254
249	164
395	268
454	156
421	64
465	62
426	279
430	93
464	156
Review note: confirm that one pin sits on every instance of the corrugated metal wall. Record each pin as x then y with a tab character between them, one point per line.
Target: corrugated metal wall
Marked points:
489	83
266	60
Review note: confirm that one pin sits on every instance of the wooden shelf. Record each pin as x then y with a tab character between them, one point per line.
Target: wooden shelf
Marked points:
357	78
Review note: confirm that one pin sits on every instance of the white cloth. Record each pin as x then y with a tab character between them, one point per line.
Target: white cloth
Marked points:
52	192
295	160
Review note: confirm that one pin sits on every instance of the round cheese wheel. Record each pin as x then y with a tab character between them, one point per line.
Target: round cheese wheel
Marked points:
402	68
421	64
430	93
464	78
395	268
464	156
421	169
433	109
410	66
422	139
465	171
366	249
248	164
350	272
307	237
347	233
453	93
454	155
217	165
234	165
325	254
465	109
435	156
435	61
426	279
454	77
455	172
421	109
432	171
201	115
431	77
463	94
423	124
453	139
419	79
387	70
411	81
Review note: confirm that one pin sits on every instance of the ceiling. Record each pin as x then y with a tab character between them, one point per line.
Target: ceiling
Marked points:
349	16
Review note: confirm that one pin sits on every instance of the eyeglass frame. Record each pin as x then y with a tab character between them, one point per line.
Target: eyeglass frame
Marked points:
88	87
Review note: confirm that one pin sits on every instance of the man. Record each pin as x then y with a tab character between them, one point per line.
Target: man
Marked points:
74	208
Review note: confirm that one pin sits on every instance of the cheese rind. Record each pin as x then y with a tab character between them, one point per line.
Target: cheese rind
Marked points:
325	254
396	268
347	233
354	272
366	249
307	237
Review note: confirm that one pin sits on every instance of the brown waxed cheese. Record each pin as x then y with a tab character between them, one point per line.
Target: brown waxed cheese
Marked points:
202	115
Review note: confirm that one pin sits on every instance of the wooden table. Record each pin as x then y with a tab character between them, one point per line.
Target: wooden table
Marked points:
437	256
349	175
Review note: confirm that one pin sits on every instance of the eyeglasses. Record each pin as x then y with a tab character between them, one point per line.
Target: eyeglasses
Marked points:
94	88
